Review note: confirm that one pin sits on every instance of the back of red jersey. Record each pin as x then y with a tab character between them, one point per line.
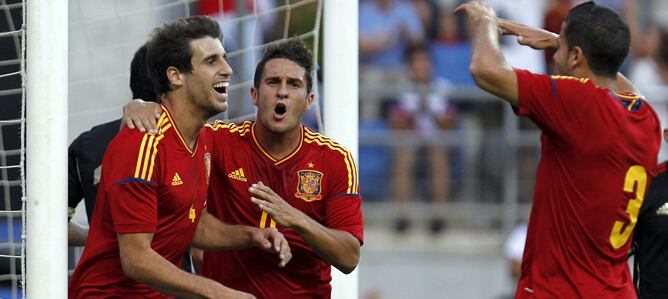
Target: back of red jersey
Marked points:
319	178
597	150
149	184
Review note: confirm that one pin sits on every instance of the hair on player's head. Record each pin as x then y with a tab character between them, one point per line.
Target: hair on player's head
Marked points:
140	84
292	49
601	33
170	46
416	48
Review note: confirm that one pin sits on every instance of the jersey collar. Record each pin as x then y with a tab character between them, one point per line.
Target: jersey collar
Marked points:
272	158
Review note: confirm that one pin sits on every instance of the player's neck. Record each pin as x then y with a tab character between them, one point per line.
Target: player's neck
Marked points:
598	80
605	82
187	120
278	145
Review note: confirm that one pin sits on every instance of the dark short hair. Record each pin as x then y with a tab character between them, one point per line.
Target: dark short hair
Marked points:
140	84
663	45
414	48
170	46
601	33
292	49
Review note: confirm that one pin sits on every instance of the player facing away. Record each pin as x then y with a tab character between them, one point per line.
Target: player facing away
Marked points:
153	190
599	141
275	172
650	241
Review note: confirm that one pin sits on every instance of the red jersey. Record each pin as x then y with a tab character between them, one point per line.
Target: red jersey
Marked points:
319	178
597	148
150	184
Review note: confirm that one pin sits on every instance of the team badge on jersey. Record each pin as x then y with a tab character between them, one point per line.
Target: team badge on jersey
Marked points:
308	187
207	166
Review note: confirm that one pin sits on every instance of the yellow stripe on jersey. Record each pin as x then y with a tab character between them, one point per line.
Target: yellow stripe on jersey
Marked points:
143	149
153	154
561	77
353	185
140	155
147	156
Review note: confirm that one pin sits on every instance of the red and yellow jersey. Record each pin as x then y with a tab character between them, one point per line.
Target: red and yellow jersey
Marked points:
150	184
597	151
319	178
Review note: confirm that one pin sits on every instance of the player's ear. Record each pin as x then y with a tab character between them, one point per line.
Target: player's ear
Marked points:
665	135
174	76
576	58
309	101
254	95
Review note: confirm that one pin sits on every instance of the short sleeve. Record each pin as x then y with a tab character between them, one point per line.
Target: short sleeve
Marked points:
554	103
131	170
344	203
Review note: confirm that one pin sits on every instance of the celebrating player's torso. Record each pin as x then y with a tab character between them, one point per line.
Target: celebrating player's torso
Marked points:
319	178
598	148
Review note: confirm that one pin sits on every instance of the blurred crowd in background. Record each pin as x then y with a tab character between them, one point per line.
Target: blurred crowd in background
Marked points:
427	134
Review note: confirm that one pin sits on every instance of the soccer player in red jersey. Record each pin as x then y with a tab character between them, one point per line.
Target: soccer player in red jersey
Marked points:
275	172
153	189
599	140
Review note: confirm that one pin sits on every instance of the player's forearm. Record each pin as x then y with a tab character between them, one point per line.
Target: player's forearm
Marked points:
212	234
338	248
158	273
488	66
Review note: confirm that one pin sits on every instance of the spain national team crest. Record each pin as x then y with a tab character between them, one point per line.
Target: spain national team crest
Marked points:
308	187
207	166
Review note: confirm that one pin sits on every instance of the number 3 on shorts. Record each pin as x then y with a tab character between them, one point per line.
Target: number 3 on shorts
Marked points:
620	234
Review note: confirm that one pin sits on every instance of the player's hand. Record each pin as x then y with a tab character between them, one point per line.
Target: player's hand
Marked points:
271	240
280	210
533	37
476	10
142	115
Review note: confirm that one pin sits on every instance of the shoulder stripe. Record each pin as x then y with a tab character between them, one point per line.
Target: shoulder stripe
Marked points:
243	128
140	155
582	80
353	185
149	149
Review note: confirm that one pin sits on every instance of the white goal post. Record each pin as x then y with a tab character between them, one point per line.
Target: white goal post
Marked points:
46	148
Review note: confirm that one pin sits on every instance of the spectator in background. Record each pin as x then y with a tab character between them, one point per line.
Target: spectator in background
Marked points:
649	63
424	110
556	13
86	152
448	31
428	11
386	28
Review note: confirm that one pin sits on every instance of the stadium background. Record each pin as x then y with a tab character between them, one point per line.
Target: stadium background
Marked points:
491	154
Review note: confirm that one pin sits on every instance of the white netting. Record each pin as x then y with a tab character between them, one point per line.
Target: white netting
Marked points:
12	125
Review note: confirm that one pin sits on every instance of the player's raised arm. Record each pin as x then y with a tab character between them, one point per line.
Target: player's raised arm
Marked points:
488	66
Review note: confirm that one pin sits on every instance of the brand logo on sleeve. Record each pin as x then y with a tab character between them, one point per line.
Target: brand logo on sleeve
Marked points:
238	175
176	180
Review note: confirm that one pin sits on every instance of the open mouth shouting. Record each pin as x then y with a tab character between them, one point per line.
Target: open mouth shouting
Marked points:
279	111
